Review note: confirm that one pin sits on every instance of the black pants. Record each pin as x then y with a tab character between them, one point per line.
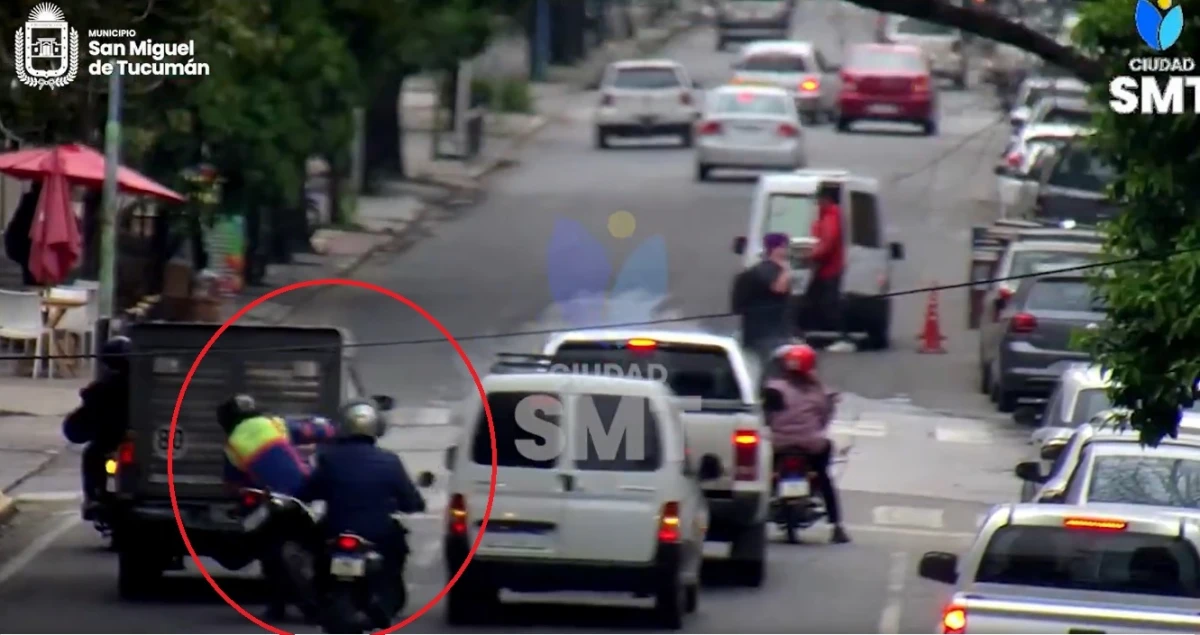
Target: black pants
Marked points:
95	455
823	298
818	463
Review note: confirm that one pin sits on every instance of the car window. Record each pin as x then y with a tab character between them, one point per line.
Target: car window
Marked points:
882	60
791	214
1063	295
1068	116
523	421
774	63
1146	480
864	220
913	26
690	370
1033	94
1052	417
1081	170
616	434
646	78
822	63
1089	403
750	103
1028	261
1088	560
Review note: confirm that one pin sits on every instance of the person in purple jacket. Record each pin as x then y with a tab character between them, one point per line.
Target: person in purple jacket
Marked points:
799	410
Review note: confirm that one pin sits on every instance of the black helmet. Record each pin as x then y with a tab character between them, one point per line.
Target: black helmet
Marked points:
360	418
236	409
114	355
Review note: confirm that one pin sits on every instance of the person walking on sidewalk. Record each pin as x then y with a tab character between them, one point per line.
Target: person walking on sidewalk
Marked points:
824	292
762	295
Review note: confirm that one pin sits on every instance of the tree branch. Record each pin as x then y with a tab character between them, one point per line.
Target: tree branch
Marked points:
996	27
149	8
10	135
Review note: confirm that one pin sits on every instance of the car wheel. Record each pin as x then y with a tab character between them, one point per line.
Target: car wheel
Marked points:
930	128
468	603
702	172
721	44
985	377
601	138
880	339
749	553
1005	400
691	598
137	573
685	138
809	118
670	605
843	124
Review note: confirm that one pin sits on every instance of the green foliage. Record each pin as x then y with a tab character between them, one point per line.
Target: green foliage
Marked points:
513	95
1152	339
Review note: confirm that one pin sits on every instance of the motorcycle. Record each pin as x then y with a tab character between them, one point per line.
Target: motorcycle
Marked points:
287	525
795	507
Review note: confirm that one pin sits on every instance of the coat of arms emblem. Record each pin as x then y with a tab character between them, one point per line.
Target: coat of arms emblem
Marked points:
46	54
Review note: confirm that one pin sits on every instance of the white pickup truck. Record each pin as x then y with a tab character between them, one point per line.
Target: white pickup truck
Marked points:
1073	569
718	397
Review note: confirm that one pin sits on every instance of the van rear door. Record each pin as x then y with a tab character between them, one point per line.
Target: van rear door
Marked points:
527	512
867	260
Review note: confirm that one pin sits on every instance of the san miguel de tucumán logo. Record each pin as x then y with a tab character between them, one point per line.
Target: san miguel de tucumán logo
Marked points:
47	49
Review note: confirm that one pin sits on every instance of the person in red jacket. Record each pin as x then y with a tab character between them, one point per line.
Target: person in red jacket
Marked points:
824	292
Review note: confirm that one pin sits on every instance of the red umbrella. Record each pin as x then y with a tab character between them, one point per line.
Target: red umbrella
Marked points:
81	165
55	245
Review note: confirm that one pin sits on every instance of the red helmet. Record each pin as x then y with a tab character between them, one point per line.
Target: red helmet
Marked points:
798	358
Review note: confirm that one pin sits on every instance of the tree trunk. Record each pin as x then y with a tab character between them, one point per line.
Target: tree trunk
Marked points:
336	180
383	145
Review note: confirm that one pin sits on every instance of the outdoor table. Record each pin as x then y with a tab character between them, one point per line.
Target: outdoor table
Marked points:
56	307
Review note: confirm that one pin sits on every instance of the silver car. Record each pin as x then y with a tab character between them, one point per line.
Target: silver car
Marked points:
797	67
1014	170
942	45
749	128
1034	89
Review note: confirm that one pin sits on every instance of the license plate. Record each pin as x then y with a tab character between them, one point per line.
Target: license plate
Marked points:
647	119
255	519
528	542
793	489
347	566
111	485
882	109
717	549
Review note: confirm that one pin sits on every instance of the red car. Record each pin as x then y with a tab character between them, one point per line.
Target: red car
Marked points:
887	82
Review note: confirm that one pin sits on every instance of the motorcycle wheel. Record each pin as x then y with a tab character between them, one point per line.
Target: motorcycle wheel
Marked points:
790	523
300	565
341	615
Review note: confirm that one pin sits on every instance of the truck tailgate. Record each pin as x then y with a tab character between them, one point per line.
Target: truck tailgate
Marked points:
713	432
1070	611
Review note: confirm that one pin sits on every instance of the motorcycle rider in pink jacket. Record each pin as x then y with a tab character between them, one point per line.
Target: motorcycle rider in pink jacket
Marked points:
798	411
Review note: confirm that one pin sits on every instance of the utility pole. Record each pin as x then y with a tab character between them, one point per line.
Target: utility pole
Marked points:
108	213
541	39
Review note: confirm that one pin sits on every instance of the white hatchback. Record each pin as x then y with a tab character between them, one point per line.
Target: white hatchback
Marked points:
749	128
645	98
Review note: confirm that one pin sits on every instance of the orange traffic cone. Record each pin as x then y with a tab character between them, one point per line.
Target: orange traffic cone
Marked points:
931	334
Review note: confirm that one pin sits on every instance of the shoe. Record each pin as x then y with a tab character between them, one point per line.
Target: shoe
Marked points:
842	346
839	536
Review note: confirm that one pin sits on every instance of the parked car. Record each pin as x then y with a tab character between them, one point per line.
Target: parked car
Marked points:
797	67
887	82
1035	88
1013	171
749	127
943	45
1071	185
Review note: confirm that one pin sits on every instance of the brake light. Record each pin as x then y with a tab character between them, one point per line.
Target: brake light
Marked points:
745	98
1095	524
685	99
710	128
456	514
920	85
809	85
346	542
668	524
954	619
1022	323
606	100
745	450
641	344
849	83
788	130
793	464
1004	292
125	454
1013	159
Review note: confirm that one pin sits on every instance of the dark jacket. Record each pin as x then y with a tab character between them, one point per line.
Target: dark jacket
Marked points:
362	486
104	414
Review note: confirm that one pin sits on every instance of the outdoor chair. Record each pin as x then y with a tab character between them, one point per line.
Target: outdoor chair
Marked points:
21	321
79	323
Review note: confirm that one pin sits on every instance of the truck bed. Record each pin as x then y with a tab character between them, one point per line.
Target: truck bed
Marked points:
995	608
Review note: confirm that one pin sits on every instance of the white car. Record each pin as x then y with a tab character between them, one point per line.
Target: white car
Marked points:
1013	172
749	128
1035	88
581	503
942	45
645	98
797	67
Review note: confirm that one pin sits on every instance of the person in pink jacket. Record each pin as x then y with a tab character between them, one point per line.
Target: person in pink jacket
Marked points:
798	411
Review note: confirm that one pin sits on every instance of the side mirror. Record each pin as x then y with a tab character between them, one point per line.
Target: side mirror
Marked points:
739	245
710	468
1030	471
1026	416
450	458
383	402
1052	450
897	251
939	566
425	479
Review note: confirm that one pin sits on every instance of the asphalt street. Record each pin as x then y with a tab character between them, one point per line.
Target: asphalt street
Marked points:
927	459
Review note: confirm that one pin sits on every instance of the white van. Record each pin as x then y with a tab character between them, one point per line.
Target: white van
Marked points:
787	203
573	512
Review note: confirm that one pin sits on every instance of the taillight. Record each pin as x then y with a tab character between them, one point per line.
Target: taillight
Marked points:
606	100
809	85
849	82
456	515
125	454
788	130
685	99
745	450
710	128
1022	323
252	498
1095	524
920	85
954	619
1013	159
668	524
347	542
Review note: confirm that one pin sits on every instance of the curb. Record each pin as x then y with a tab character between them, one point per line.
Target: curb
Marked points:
8	508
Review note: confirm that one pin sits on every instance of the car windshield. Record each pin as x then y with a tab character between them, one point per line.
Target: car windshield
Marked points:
750	103
773	63
1079	169
913	26
646	78
1163	481
791	214
1030	261
690	370
1089	403
1088	560
1069	116
1075	296
884	60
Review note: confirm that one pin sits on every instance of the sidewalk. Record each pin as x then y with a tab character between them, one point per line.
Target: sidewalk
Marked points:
31	413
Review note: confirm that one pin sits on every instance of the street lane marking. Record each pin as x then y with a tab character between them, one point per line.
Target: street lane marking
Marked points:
859	428
35	548
925	517
48	497
962	435
889	618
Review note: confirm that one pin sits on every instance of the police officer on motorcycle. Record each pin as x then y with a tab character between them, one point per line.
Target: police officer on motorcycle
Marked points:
101	419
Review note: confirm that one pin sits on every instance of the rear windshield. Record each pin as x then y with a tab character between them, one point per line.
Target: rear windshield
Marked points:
1145	480
913	26
1063	295
1081	170
616	433
791	214
867	60
527	430
646	78
1026	262
1068	116
1104	561
773	63
689	370
750	103
1089	403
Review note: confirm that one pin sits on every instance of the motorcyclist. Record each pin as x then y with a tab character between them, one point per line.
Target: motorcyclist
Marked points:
101	419
363	486
799	411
